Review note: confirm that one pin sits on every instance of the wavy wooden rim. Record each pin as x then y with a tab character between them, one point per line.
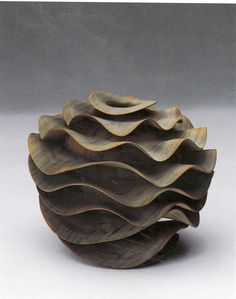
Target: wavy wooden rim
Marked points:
113	104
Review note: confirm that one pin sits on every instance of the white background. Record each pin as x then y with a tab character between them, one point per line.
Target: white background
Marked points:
35	264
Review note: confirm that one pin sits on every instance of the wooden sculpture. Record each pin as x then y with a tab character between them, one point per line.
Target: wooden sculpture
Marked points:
118	178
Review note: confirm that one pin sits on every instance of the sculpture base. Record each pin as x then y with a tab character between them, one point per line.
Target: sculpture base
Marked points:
162	254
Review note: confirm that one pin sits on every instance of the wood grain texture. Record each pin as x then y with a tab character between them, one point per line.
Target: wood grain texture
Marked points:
113	104
132	251
75	112
108	173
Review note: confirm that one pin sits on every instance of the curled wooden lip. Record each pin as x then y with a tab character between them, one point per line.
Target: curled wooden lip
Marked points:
109	172
113	104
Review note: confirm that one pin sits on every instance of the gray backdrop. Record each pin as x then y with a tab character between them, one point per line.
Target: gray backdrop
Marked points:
180	54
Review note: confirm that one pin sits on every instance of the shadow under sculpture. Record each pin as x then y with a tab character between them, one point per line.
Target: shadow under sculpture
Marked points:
117	178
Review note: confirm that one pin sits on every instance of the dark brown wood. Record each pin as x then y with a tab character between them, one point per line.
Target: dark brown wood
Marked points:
109	172
132	251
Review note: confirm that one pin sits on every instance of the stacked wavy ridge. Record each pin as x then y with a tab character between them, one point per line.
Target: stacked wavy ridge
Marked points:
117	178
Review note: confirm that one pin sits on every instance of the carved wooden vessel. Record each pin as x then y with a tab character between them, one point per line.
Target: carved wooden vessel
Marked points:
118	178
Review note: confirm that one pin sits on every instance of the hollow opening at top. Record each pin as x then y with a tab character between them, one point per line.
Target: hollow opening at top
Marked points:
119	104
